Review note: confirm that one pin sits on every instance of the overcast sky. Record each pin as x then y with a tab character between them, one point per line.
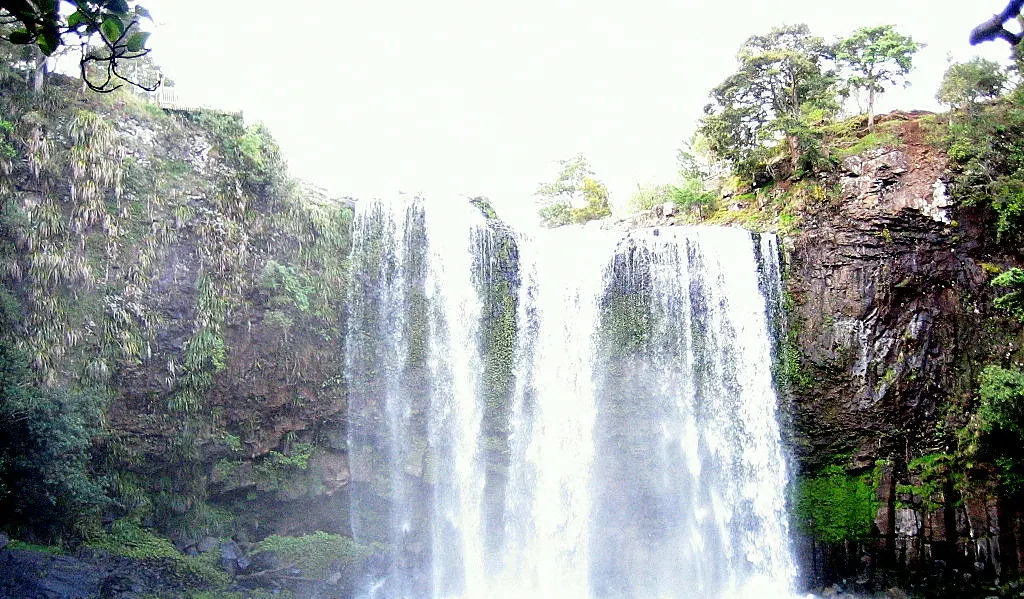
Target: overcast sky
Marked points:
476	98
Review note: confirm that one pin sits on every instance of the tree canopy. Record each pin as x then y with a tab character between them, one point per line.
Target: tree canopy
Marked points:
780	75
967	83
108	32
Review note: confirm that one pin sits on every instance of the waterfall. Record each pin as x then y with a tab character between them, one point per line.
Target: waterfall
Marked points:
578	413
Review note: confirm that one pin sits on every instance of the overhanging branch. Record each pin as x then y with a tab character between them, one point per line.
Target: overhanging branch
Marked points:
993	28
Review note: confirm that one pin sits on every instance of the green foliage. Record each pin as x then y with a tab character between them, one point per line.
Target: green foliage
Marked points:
114	22
1012	302
966	83
574	197
835	506
932	472
988	162
16	545
858	145
1001	401
233	442
1011	473
793	373
284	470
691	196
555	215
287	281
45	438
314	554
80	303
205	353
484	205
6	147
649	196
251	151
297	457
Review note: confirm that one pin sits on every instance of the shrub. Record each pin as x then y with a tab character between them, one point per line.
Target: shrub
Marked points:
1012	302
314	554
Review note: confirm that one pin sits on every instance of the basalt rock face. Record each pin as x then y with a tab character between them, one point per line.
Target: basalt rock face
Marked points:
891	314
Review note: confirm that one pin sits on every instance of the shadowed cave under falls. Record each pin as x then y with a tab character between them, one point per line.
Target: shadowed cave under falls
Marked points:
576	413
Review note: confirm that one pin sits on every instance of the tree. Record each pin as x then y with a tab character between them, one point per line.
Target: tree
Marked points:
648	196
107	31
965	83
781	74
693	196
874	57
575	196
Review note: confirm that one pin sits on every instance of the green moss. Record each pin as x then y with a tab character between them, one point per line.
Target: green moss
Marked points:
127	539
835	506
990	269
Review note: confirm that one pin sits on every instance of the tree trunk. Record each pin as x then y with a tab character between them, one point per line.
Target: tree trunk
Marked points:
794	152
871	108
39	75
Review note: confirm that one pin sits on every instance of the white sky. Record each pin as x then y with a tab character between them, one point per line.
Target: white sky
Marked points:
453	97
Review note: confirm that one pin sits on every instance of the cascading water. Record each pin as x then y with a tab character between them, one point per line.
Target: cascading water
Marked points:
577	414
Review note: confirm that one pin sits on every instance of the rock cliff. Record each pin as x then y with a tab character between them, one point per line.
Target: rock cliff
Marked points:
891	319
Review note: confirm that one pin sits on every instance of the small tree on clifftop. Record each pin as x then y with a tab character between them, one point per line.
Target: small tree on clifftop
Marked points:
574	197
874	57
965	83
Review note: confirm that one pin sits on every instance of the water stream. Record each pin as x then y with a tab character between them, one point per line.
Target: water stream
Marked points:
578	413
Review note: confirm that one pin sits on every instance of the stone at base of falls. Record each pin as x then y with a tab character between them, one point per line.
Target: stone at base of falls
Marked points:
39	575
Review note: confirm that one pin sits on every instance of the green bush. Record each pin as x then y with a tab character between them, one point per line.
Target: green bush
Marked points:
287	285
1001	401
